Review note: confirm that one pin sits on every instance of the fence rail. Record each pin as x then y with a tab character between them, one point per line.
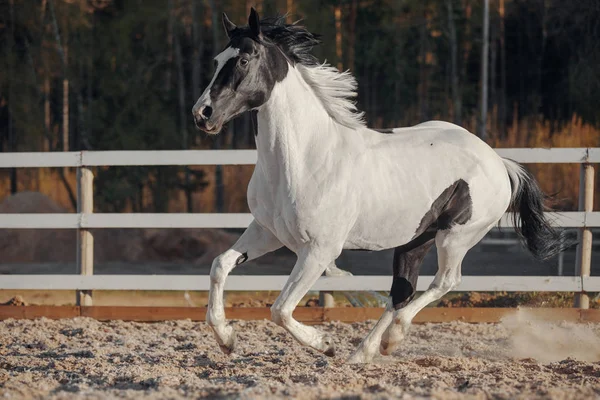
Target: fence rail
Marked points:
574	219
84	220
276	282
243	157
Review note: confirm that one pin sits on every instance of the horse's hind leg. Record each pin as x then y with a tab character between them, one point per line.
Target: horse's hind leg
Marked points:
452	246
407	262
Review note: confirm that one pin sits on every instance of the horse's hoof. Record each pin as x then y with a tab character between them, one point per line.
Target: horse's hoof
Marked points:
330	352
385	349
229	346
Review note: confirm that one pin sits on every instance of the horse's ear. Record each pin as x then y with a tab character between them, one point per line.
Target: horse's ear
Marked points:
254	22
228	25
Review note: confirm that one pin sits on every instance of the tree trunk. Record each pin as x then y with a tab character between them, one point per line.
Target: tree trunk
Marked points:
47	121
89	83
493	58
65	107
11	127
455	82
540	75
352	35
502	99
289	11
47	139
467	41
63	58
43	12
423	88
484	70
219	189
337	10
216	26
197	48
182	118
170	18
80	132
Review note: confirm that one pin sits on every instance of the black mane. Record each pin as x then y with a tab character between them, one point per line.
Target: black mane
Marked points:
295	40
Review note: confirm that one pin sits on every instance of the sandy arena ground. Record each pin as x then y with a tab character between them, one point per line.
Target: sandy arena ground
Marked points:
84	358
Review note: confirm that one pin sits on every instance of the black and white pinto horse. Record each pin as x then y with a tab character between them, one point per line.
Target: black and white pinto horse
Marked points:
325	182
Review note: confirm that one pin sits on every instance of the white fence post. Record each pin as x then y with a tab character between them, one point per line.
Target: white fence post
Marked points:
584	248
85	240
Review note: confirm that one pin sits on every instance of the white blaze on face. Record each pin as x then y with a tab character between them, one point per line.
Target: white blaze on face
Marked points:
221	60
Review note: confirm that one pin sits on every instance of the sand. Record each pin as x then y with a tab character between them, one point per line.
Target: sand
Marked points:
85	358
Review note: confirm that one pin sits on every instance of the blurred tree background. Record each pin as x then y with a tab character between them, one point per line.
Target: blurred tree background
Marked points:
124	75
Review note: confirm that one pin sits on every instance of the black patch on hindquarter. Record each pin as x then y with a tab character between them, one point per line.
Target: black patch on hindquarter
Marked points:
241	259
453	206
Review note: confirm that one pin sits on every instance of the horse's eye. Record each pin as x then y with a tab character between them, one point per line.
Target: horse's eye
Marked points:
243	62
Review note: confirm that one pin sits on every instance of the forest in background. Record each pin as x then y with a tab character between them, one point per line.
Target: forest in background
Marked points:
123	75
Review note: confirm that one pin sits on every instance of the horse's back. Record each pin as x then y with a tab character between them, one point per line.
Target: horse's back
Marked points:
407	170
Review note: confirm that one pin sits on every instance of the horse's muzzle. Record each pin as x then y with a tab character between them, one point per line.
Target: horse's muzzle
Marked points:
203	121
209	127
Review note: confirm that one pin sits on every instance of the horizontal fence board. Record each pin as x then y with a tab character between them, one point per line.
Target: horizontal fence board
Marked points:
276	282
164	220
241	157
575	219
169	157
310	315
31	312
592	219
591	283
40	221
566	219
546	156
594	155
40	159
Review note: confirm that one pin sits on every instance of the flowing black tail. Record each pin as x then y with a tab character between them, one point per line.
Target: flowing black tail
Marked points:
527	205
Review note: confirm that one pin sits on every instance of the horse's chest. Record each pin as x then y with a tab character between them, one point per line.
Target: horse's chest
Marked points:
274	211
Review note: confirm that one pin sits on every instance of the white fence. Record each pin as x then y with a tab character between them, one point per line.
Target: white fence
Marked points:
85	219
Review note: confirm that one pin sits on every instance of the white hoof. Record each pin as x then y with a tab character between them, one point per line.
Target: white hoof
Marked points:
226	338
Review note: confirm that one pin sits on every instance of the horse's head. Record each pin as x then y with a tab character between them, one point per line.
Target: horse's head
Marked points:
245	74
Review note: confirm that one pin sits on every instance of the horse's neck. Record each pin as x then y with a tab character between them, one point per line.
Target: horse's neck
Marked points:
295	133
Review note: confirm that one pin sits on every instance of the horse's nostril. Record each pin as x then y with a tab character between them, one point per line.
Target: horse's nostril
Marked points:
206	112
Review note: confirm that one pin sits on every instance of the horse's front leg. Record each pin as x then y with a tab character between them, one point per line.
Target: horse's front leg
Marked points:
253	243
310	265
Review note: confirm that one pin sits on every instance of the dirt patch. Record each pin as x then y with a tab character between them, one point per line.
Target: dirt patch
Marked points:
531	337
85	358
513	299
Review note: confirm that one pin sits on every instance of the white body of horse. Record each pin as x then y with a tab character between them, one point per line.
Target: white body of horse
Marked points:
321	186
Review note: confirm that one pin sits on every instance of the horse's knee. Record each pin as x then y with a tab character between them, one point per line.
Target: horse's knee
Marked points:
280	317
224	263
